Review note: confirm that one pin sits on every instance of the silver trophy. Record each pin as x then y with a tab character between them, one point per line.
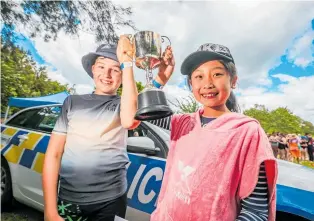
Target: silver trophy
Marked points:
152	102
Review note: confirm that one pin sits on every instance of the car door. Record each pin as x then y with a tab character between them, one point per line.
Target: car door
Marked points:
145	175
28	149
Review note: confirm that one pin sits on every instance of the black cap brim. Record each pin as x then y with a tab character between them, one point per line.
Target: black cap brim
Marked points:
89	60
198	58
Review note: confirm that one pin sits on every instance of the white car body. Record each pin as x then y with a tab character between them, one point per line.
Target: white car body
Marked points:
295	186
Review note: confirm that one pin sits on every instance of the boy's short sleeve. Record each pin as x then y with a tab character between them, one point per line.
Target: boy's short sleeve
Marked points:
61	126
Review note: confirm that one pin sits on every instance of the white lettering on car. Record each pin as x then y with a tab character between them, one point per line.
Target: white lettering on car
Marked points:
135	181
146	198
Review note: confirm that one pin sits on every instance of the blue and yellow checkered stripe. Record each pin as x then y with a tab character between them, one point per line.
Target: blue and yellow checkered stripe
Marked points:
29	153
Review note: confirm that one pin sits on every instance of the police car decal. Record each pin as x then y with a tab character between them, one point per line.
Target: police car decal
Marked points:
295	186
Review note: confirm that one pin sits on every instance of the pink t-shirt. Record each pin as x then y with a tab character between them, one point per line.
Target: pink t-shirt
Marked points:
210	169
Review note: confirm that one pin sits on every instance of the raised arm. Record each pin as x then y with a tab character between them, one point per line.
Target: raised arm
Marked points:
129	94
165	71
166	68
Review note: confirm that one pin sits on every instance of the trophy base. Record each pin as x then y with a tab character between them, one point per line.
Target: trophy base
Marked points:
152	105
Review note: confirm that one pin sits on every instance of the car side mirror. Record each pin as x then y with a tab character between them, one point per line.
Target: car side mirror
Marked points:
142	145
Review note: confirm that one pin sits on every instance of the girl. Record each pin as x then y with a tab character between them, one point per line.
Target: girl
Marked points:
287	153
282	147
294	148
274	143
303	150
220	164
310	146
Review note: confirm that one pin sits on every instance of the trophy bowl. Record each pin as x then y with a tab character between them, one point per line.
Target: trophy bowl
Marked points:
147	50
152	102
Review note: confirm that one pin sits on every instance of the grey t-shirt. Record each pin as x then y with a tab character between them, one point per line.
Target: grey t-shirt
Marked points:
93	166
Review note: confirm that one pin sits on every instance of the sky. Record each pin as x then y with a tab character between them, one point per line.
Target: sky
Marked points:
271	42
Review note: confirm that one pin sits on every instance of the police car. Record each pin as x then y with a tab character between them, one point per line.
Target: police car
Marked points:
25	137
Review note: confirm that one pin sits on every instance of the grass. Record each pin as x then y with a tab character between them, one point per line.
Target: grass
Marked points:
307	163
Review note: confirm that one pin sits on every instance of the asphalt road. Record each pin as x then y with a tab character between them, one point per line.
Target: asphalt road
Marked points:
21	212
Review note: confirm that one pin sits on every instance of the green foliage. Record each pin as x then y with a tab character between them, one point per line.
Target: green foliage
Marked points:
261	113
186	105
307	127
49	18
139	86
21	77
279	120
309	164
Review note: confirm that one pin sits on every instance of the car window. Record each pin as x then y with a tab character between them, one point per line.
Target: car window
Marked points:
144	131
24	119
41	119
48	119
138	132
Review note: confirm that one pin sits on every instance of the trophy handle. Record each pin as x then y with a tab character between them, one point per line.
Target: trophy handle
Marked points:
163	39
